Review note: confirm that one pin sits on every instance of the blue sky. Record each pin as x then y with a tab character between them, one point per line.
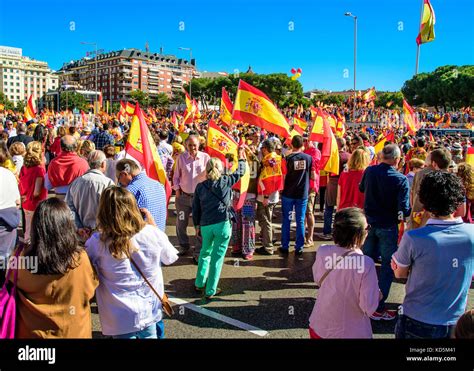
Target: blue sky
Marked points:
233	34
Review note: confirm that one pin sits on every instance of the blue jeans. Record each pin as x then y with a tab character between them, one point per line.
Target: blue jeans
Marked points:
156	331
382	242
408	328
287	205
328	211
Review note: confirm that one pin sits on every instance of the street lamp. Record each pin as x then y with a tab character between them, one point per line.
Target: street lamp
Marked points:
96	63
190	58
349	14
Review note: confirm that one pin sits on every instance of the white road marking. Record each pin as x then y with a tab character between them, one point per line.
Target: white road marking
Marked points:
206	312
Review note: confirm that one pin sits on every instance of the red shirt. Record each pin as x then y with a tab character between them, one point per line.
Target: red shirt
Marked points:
349	189
28	177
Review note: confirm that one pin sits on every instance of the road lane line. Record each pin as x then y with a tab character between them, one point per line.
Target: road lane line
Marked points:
220	317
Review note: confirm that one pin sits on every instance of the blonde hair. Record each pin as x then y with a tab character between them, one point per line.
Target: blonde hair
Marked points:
17	149
466	173
214	169
118	220
34	154
359	160
85	148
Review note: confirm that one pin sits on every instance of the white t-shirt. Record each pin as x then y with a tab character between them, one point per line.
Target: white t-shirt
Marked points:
9	192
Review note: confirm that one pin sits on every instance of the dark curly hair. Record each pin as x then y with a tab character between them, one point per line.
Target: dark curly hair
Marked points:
441	193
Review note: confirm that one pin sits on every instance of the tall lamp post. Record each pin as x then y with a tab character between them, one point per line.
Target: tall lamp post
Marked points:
96	63
190	58
349	14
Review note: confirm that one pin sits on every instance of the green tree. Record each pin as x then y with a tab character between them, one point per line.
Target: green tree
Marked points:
140	97
447	86
71	99
384	98
20	106
115	107
160	101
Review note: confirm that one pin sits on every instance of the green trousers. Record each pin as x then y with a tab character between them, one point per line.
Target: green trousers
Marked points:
215	240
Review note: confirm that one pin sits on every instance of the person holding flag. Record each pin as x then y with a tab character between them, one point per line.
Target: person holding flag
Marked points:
211	217
270	183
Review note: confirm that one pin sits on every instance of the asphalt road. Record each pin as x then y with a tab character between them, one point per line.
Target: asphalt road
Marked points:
268	297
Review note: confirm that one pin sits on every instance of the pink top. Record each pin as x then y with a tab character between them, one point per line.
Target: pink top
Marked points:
316	156
347	296
190	172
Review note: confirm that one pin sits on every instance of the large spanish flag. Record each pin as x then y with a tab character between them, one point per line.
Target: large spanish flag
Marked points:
30	112
254	107
409	118
141	146
330	151
428	21
381	143
219	143
470	156
226	108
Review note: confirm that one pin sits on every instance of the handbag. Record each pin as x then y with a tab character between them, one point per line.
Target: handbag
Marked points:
165	303
8	304
318	284
230	210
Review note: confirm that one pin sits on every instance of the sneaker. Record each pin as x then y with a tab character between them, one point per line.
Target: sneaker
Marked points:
299	252
264	251
183	250
385	315
218	292
248	257
324	237
283	251
309	244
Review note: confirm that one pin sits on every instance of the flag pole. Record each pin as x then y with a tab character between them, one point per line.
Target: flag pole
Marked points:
419	32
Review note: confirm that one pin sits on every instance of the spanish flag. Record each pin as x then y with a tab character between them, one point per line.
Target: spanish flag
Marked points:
409	118
332	122
470	156
330	151
381	143
219	143
370	95
270	179
300	123
340	126
254	107
174	120
30	112
428	21
130	109
226	108
317	131
141	146
190	109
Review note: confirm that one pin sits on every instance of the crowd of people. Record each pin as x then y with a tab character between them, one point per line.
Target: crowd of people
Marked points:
72	198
